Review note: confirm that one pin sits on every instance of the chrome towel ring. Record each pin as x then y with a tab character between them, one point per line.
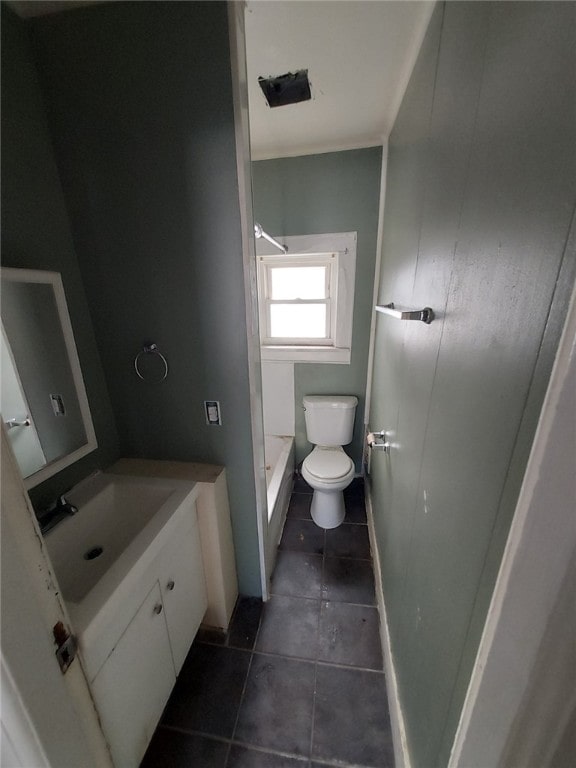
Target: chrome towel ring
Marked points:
151	349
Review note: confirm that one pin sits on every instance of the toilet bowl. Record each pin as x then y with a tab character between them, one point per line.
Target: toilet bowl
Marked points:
328	469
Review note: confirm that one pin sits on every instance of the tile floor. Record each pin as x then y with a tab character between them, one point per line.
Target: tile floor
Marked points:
298	682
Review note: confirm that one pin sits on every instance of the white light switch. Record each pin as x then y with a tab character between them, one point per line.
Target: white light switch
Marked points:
212	410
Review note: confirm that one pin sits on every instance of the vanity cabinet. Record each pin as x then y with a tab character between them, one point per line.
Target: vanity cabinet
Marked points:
183	594
135	682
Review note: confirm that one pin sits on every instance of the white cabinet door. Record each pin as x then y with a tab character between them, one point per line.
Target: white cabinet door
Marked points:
135	682
183	592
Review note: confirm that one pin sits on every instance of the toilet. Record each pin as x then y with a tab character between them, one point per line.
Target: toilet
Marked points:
328	469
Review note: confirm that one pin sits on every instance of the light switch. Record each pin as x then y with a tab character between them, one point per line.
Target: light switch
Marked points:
212	410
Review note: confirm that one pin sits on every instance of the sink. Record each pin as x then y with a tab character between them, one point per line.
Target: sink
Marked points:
101	553
111	512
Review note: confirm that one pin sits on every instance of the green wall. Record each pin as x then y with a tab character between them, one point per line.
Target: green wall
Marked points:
139	100
481	193
313	194
36	234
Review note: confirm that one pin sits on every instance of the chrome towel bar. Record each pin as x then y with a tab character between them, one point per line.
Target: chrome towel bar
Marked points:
426	315
11	423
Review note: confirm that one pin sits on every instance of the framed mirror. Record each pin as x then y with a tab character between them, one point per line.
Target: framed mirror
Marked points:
43	399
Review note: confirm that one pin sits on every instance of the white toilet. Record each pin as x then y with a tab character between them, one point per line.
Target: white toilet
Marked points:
329	426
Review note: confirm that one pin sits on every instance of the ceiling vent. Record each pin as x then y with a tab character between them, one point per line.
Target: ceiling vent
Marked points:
290	88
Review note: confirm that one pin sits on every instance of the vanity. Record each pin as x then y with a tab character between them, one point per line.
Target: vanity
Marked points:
131	564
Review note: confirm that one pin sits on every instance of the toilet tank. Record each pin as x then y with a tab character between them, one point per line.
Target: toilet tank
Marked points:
329	418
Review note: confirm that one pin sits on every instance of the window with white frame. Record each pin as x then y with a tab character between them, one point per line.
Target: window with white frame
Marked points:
306	298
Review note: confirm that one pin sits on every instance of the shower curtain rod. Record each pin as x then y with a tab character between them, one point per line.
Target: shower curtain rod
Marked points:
259	232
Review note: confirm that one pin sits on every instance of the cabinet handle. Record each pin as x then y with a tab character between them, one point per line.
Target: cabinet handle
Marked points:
158	608
170	586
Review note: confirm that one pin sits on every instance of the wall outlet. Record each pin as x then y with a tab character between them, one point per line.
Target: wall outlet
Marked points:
58	405
212	411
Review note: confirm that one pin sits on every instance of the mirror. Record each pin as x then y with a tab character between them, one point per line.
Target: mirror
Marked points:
43	399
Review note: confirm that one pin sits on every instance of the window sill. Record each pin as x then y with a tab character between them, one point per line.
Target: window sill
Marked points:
290	354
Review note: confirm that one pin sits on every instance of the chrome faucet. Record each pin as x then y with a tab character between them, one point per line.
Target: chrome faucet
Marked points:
63	505
56	512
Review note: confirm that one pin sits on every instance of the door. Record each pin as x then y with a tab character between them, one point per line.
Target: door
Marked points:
183	592
135	682
43	712
480	195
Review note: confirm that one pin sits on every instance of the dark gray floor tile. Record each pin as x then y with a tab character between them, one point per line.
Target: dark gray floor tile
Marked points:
173	749
210	635
355	509
290	627
208	691
348	541
301	486
351	720
302	536
299	506
276	710
240	757
316	764
349	581
349	634
298	574
245	622
356	488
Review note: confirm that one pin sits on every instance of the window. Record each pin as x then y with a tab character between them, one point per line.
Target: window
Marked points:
306	298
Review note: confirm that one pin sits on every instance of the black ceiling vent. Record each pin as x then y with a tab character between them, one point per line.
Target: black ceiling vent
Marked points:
286	89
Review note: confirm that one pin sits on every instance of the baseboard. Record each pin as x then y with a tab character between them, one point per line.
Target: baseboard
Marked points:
401	753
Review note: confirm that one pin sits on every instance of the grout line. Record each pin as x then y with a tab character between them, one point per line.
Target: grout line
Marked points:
319	661
262	749
246	679
192	732
331	557
271	751
313	712
322	599
240	703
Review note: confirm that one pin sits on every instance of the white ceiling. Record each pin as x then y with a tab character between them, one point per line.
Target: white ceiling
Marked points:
359	56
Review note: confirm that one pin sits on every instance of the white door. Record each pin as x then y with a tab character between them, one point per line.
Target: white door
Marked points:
135	682
183	593
46	716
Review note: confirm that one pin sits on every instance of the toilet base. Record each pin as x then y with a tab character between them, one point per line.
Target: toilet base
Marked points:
327	508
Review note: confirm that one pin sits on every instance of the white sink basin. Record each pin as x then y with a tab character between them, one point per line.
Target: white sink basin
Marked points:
111	512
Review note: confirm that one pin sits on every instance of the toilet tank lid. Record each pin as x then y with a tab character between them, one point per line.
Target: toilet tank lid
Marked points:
330	401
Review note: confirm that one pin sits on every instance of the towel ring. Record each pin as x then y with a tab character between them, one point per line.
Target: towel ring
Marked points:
150	349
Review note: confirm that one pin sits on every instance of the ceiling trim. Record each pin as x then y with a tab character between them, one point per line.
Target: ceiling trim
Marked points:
318	150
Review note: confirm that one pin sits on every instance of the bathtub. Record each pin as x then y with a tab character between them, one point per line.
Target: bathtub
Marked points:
279	456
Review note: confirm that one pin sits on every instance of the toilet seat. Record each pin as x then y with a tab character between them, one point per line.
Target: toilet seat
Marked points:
329	465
